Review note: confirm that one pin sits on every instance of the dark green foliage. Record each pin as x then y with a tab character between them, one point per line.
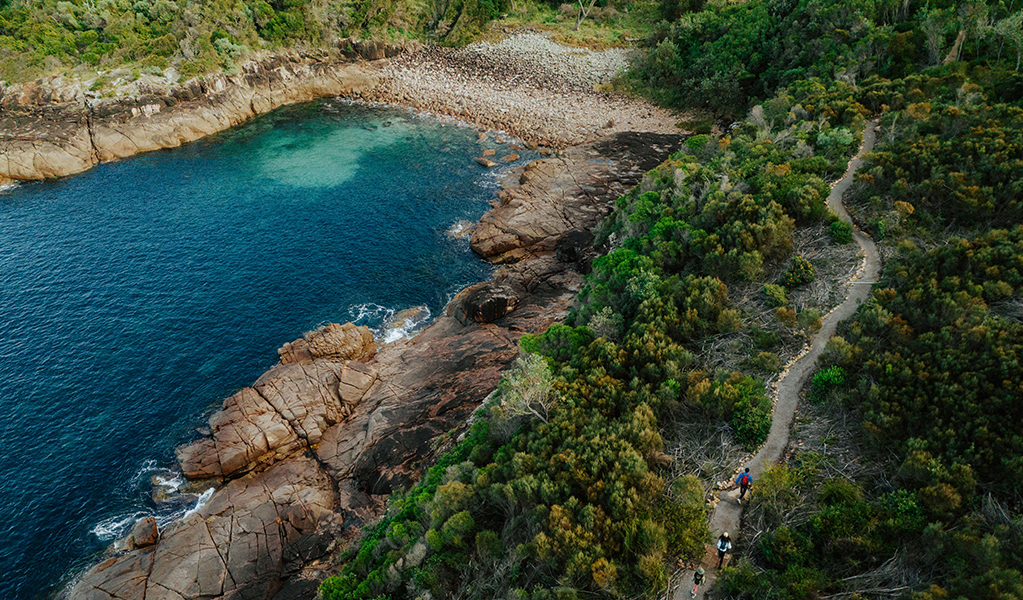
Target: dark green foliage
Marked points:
673	9
752	417
942	362
768	362
800	272
721	57
930	365
54	35
950	166
775	295
841	232
735	52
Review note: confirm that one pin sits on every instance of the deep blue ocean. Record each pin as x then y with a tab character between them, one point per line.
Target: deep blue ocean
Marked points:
135	297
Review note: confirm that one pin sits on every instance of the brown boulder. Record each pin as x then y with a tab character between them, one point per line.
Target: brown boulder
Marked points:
488	301
288	409
145	533
483	162
333	342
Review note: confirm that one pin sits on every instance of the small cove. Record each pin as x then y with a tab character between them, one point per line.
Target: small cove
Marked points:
136	296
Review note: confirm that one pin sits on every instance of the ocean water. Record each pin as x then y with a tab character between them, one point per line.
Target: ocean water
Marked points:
138	295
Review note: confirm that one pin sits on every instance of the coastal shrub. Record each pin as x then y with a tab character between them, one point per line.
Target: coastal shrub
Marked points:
764	339
697	142
809	320
775	295
751	420
684	517
839	136
826	382
829	378
787	316
841	232
768	362
800	272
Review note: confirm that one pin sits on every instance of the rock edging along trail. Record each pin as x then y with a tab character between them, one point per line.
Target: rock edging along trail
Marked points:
727	515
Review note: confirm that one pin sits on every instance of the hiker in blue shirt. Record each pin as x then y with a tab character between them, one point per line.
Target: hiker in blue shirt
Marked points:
743	481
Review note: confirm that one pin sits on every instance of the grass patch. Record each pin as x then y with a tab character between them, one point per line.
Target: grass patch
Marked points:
605	27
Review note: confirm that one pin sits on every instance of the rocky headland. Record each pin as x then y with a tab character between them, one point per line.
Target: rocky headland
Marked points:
54	128
305	456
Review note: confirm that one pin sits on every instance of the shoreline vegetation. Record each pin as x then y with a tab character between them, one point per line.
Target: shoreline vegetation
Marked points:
590	468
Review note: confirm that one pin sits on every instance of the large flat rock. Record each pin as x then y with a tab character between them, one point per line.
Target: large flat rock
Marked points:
253	534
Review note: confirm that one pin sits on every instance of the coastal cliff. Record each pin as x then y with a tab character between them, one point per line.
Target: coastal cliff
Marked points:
306	454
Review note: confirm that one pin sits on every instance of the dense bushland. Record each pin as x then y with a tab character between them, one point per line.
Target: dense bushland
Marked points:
202	35
732	52
928	369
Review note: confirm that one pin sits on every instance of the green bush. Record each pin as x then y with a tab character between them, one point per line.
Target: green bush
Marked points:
764	340
830	378
838	490
841	232
775	295
800	272
768	362
685	519
809	320
752	419
697	142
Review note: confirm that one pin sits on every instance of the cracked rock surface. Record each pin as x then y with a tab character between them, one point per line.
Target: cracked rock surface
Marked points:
252	534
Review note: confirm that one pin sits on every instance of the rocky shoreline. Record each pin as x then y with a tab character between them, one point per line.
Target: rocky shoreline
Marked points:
50	131
525	85
305	456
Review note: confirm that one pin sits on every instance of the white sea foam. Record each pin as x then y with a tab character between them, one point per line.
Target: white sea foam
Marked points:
389	324
371	315
461	229
201	502
7	187
408	326
145	470
177	504
115	527
169	479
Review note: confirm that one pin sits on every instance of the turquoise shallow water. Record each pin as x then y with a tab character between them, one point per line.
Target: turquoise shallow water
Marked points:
136	296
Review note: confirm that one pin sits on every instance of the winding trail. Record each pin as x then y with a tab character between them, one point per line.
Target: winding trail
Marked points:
727	514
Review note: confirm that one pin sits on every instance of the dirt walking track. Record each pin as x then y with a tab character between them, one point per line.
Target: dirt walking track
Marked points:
727	514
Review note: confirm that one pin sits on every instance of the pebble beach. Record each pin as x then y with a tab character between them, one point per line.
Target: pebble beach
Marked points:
527	85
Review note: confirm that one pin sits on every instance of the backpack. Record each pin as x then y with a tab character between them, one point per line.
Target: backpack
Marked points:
744	479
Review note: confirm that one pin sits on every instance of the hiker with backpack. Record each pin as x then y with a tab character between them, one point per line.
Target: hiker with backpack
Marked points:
724	545
698	579
744	480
